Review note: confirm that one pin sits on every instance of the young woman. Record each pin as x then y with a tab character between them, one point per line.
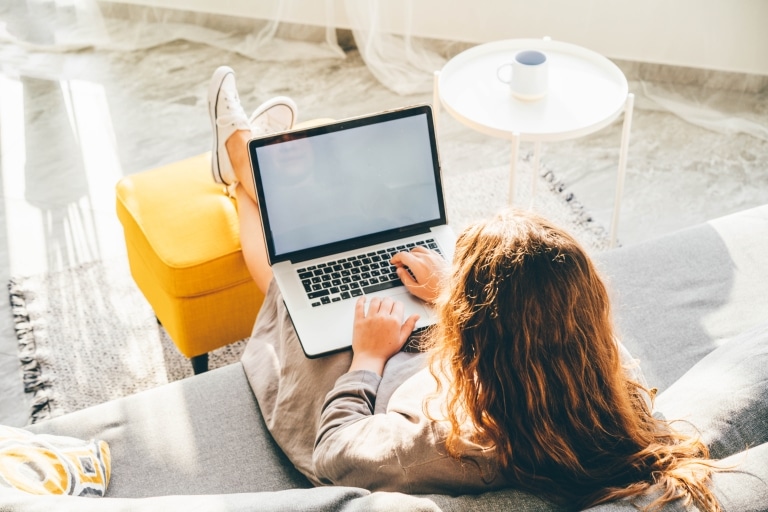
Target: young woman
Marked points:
523	383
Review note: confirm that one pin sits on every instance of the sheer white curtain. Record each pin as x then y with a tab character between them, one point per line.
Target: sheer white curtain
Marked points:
382	29
400	62
71	25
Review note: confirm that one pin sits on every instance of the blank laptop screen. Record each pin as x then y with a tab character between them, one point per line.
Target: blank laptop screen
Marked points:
328	187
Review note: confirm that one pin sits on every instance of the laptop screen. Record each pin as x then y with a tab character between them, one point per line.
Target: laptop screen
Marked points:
327	188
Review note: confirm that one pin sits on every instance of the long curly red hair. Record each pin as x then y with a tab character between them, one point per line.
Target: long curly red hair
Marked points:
526	339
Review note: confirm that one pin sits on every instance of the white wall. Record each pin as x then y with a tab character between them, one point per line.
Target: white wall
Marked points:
725	35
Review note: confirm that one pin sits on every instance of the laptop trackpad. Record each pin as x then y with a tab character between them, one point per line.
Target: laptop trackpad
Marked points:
412	305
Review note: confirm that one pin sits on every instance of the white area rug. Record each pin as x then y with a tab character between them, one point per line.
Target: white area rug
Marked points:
87	335
472	196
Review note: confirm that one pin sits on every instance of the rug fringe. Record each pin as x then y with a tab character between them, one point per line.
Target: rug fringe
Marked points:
577	207
34	380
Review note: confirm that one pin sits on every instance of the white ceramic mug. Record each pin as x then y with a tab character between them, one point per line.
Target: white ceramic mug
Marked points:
528	76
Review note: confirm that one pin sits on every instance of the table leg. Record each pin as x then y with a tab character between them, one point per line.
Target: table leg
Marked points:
535	171
623	153
436	103
513	165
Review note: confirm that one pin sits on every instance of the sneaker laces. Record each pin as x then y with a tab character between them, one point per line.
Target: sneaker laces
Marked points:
234	115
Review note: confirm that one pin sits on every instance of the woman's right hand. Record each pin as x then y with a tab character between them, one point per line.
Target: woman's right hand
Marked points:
422	271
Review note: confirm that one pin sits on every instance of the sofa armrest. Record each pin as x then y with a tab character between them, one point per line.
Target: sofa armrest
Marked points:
330	499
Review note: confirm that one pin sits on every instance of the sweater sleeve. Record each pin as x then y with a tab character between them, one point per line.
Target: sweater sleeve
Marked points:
355	447
352	399
397	450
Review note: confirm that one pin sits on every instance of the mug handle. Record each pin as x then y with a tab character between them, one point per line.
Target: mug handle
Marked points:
498	72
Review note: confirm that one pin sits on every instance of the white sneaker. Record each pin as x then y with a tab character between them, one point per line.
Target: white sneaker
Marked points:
275	115
227	116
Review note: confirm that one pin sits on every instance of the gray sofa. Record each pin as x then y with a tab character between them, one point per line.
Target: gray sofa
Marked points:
201	444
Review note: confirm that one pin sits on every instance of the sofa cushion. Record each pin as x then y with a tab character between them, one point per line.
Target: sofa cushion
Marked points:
167	228
677	297
203	435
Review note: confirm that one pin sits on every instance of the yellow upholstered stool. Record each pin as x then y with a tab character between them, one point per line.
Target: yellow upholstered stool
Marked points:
183	241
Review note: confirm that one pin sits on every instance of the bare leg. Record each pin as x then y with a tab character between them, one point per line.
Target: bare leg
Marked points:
230	164
251	231
237	148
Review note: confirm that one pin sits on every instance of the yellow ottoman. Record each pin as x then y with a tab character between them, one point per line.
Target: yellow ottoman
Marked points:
183	241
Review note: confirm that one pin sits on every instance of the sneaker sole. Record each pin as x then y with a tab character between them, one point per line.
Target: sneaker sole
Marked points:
214	88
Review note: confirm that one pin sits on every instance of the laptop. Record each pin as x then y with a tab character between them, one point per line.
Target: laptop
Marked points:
337	201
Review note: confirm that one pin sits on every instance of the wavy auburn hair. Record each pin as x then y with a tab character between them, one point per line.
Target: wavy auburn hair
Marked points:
526	338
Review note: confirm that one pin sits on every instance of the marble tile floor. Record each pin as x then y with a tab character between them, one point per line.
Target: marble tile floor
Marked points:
71	124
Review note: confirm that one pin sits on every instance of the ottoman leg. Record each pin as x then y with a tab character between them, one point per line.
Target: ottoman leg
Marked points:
200	363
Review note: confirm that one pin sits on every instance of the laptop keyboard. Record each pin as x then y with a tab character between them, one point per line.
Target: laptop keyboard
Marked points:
345	278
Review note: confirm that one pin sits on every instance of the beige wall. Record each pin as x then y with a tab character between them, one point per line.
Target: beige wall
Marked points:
725	35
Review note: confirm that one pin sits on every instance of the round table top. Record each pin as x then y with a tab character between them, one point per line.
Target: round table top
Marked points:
586	91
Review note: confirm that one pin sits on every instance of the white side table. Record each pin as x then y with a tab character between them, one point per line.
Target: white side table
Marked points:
587	92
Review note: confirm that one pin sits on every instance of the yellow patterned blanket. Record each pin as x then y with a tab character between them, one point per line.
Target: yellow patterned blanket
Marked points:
47	464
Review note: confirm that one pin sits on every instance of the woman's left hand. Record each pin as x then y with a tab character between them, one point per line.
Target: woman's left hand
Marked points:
379	333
